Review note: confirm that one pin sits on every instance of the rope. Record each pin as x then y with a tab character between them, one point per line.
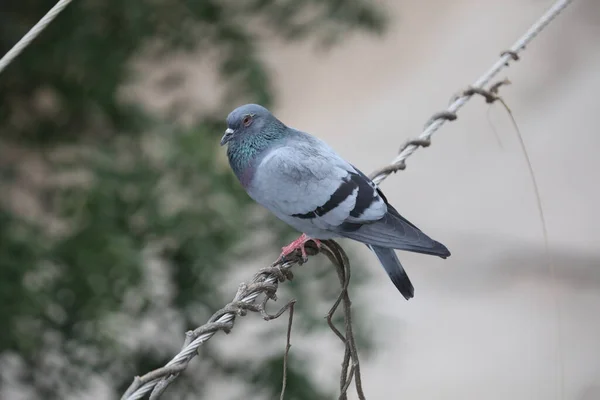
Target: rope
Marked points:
506	57
32	34
245	297
147	383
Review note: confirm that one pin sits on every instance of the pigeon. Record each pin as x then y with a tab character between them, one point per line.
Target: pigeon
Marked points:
305	183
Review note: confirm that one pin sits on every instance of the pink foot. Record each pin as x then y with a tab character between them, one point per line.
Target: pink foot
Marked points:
298	244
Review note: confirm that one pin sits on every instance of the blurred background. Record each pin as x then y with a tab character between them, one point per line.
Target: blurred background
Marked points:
121	226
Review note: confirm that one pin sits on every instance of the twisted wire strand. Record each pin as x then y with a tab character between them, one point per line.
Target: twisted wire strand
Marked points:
399	163
32	34
224	322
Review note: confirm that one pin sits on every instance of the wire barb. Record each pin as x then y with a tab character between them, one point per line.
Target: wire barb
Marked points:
512	54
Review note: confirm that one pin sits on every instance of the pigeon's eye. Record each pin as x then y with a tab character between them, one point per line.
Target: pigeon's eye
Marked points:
247	120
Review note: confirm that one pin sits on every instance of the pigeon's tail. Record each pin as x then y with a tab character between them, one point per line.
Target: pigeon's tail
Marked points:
395	232
387	257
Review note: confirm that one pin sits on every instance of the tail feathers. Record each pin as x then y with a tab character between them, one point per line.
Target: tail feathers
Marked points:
437	249
394	231
387	257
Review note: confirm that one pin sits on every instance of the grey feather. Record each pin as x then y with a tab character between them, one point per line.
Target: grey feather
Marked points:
388	259
395	233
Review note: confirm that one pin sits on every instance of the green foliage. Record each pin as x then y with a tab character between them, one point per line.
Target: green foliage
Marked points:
133	220
82	59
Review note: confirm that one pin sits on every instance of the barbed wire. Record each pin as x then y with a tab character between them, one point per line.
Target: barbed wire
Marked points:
266	281
32	34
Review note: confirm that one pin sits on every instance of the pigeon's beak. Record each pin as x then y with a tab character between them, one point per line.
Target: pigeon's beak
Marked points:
227	136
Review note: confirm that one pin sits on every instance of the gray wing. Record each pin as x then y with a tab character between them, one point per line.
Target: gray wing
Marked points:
305	182
309	186
392	231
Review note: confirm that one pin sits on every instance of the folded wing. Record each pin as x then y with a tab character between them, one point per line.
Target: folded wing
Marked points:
305	183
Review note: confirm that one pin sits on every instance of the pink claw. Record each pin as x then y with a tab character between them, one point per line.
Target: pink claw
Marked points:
298	244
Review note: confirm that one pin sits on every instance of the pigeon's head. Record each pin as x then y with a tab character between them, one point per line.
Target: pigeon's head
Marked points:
248	120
